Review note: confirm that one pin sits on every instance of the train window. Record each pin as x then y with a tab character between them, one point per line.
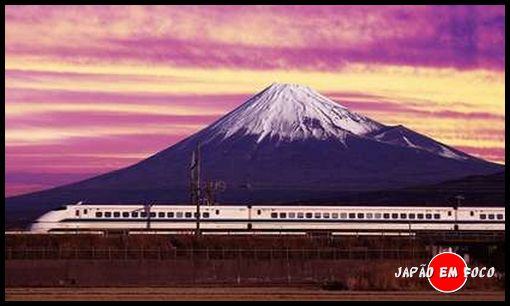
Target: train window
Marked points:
143	215
300	215
292	215
491	217
420	216
334	215
394	216
352	215
205	215
361	215
107	214
161	214
85	211
99	214
170	214
283	215
370	215
500	216
116	214
179	214
343	215
428	216
317	215
449	213
195	215
325	215
377	215
274	215
483	216
437	216
153	214
187	214
412	216
472	213
259	212
77	213
309	215
403	216
125	214
386	216
134	214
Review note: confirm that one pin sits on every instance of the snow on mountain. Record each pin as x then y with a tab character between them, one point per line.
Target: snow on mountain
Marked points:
402	136
291	112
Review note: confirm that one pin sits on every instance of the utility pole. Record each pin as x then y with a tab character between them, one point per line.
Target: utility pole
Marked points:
201	193
195	185
147	210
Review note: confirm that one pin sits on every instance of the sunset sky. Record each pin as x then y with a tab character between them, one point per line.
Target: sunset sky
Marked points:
90	89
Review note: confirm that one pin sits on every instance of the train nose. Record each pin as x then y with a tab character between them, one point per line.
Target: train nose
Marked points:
39	227
46	222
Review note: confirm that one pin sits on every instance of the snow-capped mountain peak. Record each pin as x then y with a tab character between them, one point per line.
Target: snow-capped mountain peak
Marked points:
291	112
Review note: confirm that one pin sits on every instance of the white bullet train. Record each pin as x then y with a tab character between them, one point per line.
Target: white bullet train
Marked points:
267	219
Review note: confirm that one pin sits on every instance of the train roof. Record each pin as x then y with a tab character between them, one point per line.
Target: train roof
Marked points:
234	206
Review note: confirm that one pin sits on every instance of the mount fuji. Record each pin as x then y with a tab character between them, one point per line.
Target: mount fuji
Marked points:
287	143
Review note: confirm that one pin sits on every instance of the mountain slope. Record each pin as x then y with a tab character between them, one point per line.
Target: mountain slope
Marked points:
477	190
287	143
402	136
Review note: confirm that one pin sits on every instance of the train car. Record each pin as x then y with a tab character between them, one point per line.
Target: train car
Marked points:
481	218
268	219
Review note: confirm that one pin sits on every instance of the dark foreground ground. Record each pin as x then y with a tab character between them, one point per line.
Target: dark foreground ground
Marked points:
238	293
71	264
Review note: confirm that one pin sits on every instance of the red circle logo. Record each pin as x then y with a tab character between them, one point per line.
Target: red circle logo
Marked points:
448	272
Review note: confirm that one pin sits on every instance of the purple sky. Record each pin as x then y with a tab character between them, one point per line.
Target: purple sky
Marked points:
90	89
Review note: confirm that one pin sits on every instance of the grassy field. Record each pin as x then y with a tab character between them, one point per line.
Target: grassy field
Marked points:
238	293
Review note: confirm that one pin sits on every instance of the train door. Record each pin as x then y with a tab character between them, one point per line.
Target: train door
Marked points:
77	215
456	224
249	218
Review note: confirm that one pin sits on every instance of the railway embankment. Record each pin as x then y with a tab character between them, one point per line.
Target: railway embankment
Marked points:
331	263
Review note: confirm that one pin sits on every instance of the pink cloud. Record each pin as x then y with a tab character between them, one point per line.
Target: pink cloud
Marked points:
125	144
103	119
35	76
368	103
13	189
492	153
226	101
285	37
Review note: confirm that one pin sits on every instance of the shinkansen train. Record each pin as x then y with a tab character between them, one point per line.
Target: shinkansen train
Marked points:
267	219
